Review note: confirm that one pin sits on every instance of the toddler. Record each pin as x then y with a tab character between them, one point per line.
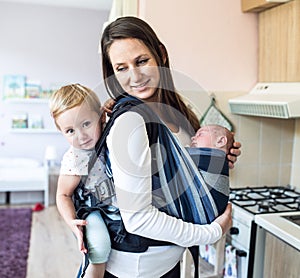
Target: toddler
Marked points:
76	113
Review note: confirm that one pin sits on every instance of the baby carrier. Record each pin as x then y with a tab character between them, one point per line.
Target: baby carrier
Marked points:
178	187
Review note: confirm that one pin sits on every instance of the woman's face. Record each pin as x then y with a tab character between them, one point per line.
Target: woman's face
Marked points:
135	68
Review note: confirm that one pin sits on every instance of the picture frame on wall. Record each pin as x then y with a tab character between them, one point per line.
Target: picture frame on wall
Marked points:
14	86
20	120
35	121
33	89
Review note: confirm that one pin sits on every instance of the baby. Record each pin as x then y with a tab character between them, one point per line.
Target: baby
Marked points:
208	150
213	136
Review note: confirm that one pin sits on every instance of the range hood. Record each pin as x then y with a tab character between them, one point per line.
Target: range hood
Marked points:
275	100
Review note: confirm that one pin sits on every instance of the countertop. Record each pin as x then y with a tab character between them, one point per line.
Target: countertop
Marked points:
281	227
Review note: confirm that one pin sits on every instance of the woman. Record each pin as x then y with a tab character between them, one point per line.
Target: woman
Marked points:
135	61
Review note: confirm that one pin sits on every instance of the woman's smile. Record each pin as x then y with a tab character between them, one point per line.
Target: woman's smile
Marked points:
135	67
141	86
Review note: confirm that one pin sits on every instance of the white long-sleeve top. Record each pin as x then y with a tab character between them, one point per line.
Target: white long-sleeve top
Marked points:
130	159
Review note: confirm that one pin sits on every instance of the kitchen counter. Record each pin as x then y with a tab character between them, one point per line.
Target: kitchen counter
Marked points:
281	227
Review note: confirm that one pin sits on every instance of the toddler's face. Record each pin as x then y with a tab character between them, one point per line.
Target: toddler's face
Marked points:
80	126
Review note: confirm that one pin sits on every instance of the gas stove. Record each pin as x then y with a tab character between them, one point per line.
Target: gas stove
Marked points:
245	236
258	200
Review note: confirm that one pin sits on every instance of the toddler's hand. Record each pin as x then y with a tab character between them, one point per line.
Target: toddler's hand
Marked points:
77	228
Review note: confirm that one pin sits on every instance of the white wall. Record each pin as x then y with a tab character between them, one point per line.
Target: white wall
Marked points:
216	44
212	41
51	44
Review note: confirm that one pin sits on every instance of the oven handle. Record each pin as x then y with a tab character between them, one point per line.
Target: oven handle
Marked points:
234	231
241	253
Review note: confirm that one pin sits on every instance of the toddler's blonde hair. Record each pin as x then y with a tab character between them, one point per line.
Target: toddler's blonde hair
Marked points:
70	96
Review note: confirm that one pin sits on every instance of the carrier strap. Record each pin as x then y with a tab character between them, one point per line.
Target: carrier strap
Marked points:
124	104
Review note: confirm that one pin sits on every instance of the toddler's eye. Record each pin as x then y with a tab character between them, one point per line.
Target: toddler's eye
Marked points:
70	131
86	124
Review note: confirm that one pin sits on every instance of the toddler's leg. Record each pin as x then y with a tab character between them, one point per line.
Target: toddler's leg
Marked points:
98	244
95	271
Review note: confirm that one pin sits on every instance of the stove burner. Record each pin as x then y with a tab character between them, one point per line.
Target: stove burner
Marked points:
263	206
265	199
276	193
240	196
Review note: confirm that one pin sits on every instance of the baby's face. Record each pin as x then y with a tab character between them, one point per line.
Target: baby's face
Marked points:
204	138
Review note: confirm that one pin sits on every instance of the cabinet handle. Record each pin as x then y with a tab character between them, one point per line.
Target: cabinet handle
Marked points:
234	231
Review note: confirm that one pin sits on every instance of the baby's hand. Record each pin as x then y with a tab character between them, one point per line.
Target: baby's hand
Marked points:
77	228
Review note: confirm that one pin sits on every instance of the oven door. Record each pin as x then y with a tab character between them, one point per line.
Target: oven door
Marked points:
236	249
247	240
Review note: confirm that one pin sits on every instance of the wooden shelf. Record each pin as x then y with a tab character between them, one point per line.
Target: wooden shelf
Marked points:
27	100
34	130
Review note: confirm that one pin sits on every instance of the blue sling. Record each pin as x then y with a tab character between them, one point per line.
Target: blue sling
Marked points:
183	179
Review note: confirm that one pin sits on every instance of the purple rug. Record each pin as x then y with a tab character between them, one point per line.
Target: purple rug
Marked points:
14	241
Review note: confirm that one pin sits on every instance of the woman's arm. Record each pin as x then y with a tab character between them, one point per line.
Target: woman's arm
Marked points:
65	189
130	159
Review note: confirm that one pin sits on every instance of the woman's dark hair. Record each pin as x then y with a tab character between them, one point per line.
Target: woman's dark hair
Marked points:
133	27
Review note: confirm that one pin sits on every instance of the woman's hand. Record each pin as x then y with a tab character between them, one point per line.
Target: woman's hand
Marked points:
225	219
234	152
77	228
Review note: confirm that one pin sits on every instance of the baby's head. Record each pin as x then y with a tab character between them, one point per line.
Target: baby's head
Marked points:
213	136
76	113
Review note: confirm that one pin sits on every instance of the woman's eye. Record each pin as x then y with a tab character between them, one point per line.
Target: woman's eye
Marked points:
142	61
120	69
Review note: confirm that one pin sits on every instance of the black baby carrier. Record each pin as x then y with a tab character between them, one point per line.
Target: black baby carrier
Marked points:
178	186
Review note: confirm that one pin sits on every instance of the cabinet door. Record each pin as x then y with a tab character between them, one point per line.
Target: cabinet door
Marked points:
259	5
281	260
279	43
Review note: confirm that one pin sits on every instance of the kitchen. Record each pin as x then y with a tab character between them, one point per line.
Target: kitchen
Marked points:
228	64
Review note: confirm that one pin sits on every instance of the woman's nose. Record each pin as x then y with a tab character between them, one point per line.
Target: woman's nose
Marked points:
135	74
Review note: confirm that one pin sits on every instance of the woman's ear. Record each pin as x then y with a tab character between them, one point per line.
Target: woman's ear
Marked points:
163	53
221	141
